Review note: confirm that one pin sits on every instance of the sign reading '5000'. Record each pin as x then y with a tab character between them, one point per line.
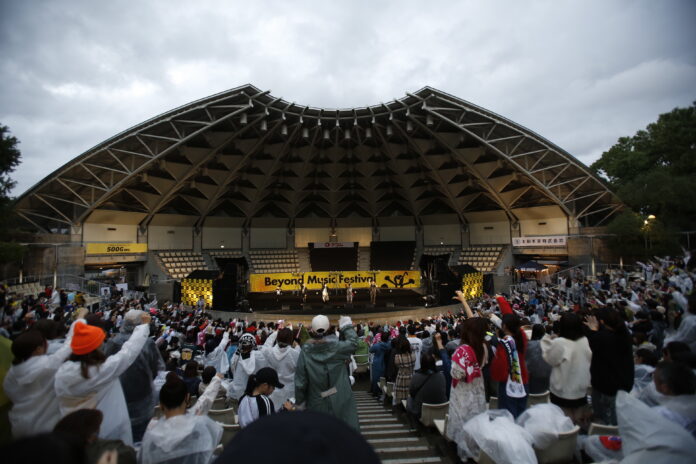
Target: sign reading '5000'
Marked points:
315	280
115	248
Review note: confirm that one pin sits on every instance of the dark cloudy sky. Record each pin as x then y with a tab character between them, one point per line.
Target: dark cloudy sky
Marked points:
580	73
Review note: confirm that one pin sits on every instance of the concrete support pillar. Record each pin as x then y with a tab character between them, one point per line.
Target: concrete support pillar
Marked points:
464	231
197	239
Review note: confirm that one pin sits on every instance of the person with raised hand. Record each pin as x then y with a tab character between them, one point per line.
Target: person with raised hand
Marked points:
91	380
29	382
321	377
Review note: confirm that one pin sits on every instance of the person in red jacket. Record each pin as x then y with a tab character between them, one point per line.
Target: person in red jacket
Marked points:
509	367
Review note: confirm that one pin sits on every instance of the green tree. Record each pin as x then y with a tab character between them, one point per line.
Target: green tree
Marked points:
653	171
10	156
639	237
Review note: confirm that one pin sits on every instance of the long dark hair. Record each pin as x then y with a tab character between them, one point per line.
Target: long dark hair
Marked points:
473	333
512	323
402	345
93	358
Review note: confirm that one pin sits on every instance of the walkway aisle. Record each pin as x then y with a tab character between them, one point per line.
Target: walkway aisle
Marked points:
393	440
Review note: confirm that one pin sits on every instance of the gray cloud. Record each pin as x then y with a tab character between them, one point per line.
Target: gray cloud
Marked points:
581	74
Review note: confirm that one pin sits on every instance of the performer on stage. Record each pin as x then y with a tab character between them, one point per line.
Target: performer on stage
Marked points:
279	293
303	293
325	294
373	292
349	294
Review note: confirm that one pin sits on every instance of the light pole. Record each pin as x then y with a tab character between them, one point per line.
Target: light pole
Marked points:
646	229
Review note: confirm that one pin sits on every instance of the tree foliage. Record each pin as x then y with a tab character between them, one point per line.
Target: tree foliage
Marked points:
635	236
10	156
653	171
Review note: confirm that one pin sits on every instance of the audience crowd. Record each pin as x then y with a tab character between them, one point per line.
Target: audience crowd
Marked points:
135	380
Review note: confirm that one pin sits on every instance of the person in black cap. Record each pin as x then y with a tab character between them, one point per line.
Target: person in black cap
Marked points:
305	437
255	402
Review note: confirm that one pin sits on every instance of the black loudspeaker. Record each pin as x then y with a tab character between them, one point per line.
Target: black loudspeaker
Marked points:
225	289
488	285
176	291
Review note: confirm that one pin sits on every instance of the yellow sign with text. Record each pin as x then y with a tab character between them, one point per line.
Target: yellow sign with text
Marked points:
115	248
315	280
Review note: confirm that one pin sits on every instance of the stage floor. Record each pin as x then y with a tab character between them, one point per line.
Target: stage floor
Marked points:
387	300
378	315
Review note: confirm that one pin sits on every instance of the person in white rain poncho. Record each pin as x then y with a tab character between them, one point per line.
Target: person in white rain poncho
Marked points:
137	380
217	357
246	360
282	356
181	436
29	383
90	380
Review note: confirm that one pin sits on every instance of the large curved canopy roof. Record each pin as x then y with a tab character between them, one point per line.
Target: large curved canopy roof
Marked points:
246	154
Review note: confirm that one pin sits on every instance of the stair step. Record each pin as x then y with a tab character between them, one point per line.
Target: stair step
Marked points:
411	451
375	433
412	460
382	419
383	426
377	441
375	416
400	449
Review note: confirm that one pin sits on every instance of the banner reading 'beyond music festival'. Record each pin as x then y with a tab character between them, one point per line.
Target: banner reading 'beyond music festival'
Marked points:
314	280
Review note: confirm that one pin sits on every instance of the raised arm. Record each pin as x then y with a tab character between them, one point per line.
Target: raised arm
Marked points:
205	401
63	353
348	346
459	296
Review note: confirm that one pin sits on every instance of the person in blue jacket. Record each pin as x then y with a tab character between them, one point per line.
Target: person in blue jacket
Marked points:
380	352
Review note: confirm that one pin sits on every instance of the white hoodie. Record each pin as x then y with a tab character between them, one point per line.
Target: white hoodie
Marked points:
29	386
284	361
102	390
570	362
242	369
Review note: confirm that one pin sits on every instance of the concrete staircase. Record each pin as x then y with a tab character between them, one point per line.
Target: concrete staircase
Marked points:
392	439
303	262
364	259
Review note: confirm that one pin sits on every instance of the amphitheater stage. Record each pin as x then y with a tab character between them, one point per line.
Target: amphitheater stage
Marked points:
377	315
387	300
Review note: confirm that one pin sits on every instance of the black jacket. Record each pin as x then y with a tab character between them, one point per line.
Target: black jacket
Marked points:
612	361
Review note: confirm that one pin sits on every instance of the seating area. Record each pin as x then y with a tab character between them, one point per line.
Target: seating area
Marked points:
451	250
392	256
223	254
31	288
333	259
274	260
179	264
483	258
561	451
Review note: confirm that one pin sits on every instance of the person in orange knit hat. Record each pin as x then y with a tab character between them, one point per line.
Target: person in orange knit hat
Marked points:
91	380
86	338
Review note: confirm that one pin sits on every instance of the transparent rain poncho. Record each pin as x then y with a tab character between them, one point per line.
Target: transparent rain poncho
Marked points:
189	438
495	433
544	422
